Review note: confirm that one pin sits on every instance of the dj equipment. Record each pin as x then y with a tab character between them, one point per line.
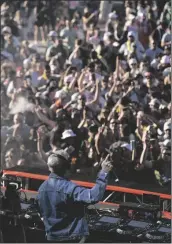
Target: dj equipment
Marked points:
131	222
161	233
103	223
20	227
143	211
133	230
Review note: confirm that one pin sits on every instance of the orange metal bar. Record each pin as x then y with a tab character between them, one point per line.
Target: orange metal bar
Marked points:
90	185
166	215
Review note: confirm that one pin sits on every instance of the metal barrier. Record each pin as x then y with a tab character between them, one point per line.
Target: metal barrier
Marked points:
112	190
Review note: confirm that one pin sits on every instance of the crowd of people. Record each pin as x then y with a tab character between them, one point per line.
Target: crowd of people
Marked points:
98	87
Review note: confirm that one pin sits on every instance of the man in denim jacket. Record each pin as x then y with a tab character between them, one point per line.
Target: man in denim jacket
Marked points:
62	202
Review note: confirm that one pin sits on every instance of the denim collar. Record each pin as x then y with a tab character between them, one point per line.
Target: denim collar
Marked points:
53	175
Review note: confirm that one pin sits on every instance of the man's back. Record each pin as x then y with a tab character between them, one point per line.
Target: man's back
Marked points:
62	202
62	216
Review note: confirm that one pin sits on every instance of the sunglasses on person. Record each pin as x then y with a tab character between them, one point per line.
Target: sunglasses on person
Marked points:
148	76
133	64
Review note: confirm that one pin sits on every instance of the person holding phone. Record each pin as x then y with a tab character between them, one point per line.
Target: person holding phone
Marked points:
62	203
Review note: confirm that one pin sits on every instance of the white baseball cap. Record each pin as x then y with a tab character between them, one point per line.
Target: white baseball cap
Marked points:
113	15
165	59
68	79
75	96
6	29
154	101
67	134
166	71
167	143
167	126
131	33
60	94
52	33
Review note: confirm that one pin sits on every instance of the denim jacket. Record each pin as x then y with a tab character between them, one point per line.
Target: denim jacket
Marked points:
62	204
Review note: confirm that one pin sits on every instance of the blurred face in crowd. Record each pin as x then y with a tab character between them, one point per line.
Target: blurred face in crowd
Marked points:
118	88
81	101
86	10
18	118
143	66
76	116
70	141
7	35
97	68
153	45
131	38
104	84
9	39
77	54
133	65
96	32
39	68
154	106
167	134
68	25
112	125
148	79
166	155
58	43
105	131
48	72
25	44
167	50
10	158
126	154
52	38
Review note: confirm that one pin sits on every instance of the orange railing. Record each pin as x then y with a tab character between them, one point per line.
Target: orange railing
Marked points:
89	185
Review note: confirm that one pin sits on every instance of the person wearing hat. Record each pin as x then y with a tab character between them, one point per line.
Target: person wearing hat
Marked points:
8	21
127	47
111	23
52	36
167	130
162	170
69	35
165	62
159	32
57	50
154	107
7	34
166	38
62	202
110	53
